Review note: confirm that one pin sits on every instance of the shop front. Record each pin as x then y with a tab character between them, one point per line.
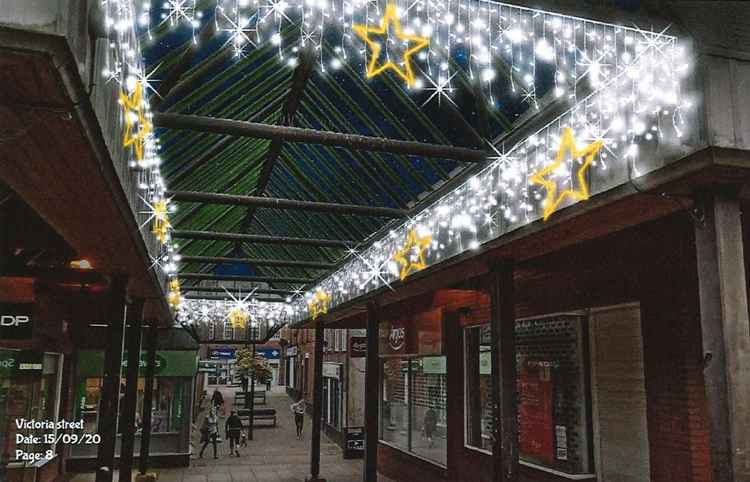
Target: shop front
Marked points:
29	390
607	368
174	376
333	401
291	371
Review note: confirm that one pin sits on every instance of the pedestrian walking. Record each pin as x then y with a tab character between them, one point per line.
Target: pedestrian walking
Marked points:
210	432
233	429
217	400
298	409
430	424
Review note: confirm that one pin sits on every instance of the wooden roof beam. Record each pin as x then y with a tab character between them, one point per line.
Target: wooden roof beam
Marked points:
281	263
278	203
255	279
313	136
223	289
221	298
259	238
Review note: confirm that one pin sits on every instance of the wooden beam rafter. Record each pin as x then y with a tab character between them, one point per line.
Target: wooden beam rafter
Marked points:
312	136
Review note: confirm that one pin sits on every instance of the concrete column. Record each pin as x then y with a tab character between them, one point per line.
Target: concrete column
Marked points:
725	333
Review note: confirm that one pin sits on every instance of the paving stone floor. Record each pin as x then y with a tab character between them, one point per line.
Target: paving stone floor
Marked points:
275	454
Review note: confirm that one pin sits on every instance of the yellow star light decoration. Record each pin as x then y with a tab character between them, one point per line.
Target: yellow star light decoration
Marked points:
567	145
174	297
238	317
390	19
318	305
161	225
404	255
135	112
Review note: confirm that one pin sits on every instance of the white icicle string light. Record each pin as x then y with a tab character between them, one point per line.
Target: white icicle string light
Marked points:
125	70
624	85
201	313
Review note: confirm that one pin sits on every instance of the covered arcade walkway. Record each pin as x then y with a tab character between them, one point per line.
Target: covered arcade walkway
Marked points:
275	454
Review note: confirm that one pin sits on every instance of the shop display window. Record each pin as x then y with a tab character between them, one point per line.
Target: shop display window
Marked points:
28	396
167	410
553	396
478	388
413	406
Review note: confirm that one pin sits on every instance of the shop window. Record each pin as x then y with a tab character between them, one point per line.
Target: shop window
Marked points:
553	398
478	389
228	331
30	396
413	408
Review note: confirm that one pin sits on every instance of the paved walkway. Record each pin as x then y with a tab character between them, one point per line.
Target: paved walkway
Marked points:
275	454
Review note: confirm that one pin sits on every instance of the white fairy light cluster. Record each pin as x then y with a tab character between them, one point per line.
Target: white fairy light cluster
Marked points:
126	75
623	86
203	313
637	111
468	35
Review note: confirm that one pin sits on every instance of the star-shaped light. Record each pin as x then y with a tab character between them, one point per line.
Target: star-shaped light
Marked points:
161	226
319	303
414	44
134	110
567	145
440	89
174	297
238	315
411	255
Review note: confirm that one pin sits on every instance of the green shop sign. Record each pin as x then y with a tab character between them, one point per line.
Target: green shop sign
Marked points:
159	366
169	363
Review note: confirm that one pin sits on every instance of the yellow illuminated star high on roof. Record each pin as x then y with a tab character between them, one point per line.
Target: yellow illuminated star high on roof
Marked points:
581	193
390	20
318	305
135	113
405	256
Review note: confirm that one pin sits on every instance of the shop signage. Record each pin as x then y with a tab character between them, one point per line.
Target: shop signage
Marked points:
420	334
485	363
160	363
222	353
537	426
434	365
291	351
354	443
15	321
358	347
332	370
269	353
14	362
169	363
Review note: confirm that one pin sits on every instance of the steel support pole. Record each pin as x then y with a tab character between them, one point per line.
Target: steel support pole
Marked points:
127	421
317	405
252	397
372	391
505	448
110	392
148	395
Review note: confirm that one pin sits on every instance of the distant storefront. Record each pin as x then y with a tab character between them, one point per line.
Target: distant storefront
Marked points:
174	375
29	389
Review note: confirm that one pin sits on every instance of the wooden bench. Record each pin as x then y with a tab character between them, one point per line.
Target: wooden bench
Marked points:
260	398
259	414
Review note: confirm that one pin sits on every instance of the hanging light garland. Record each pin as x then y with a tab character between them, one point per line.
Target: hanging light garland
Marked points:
624	86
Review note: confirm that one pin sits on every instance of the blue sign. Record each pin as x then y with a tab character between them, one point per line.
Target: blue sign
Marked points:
224	353
269	353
